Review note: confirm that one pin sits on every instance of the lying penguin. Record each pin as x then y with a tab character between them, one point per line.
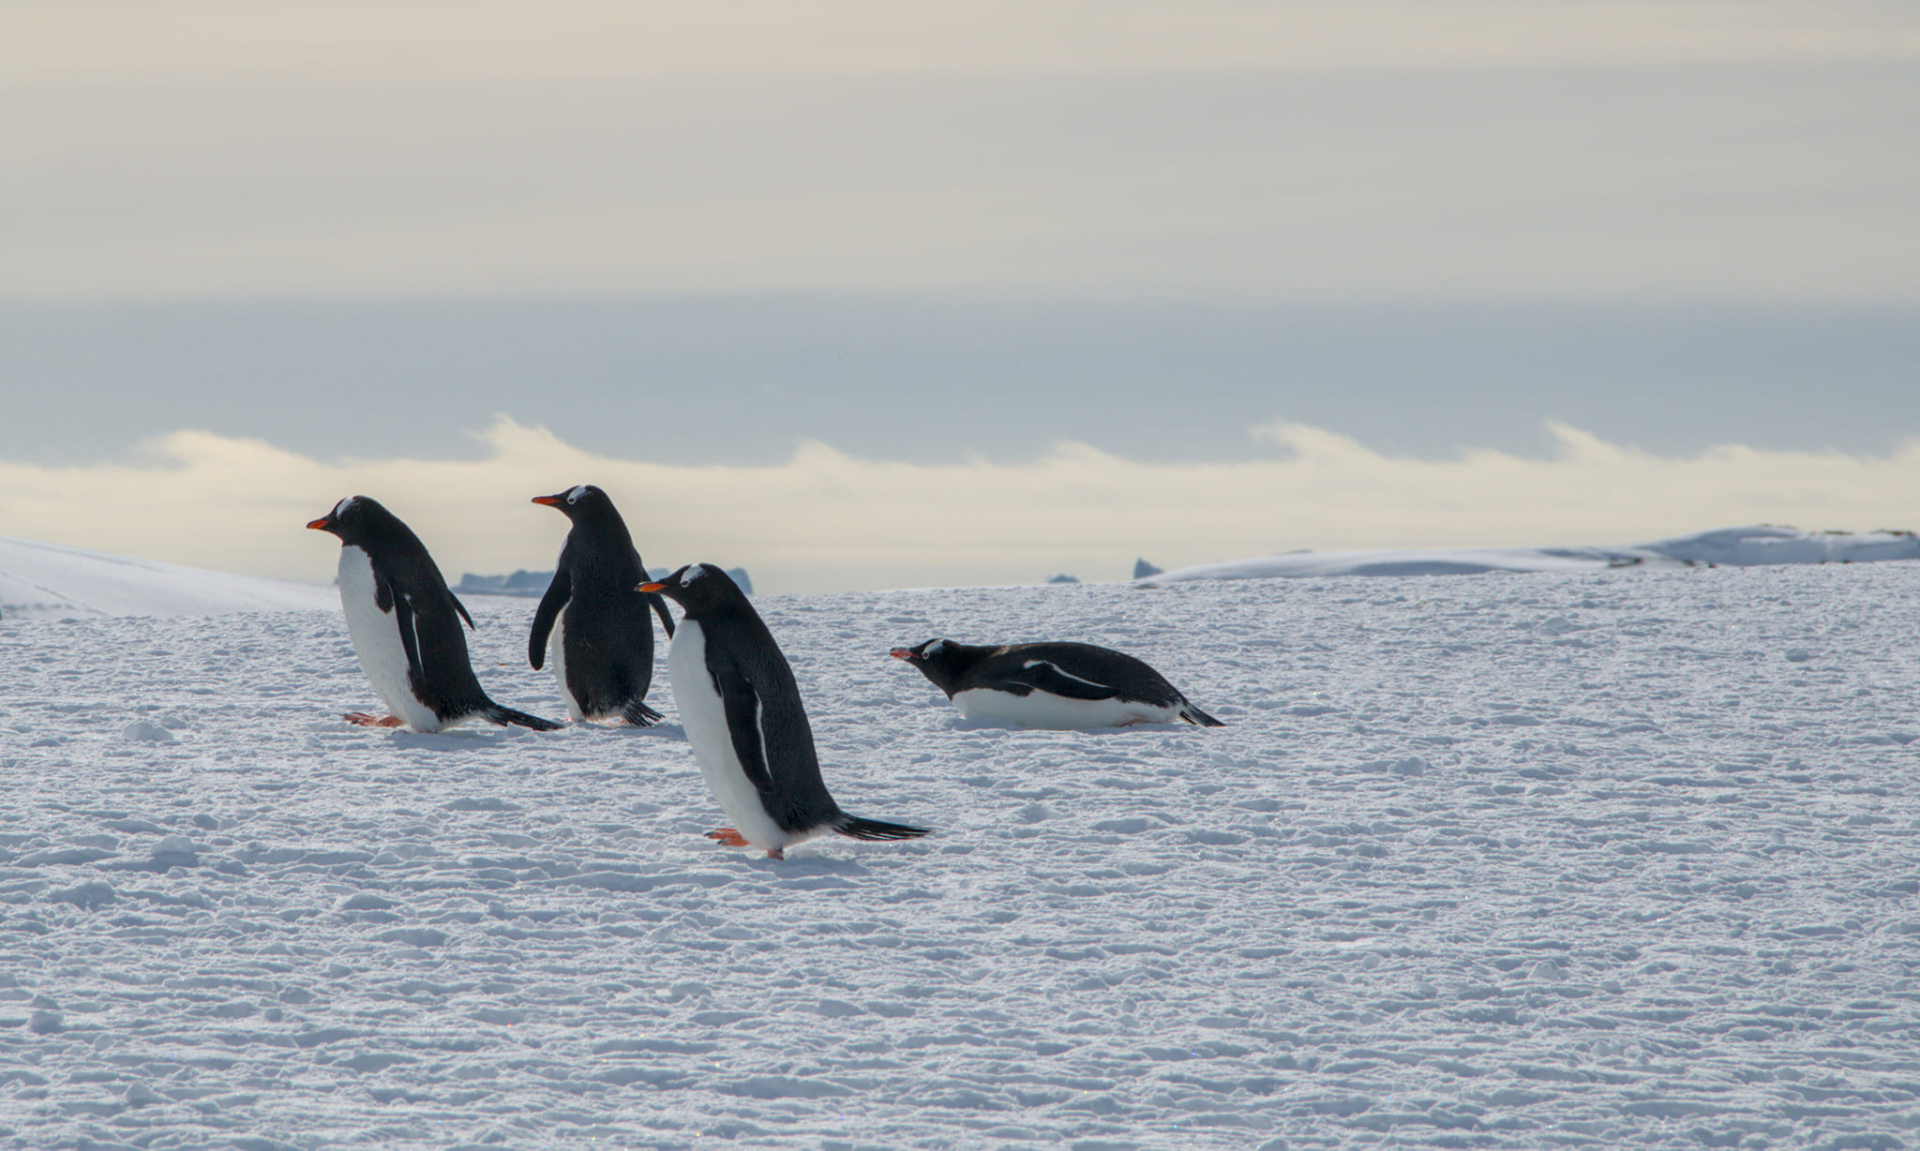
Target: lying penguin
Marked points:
737	697
593	620
1053	685
405	625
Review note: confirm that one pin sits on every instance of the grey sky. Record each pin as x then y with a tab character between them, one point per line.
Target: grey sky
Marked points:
701	233
1778	179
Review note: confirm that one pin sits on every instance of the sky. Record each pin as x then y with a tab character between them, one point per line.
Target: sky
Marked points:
861	294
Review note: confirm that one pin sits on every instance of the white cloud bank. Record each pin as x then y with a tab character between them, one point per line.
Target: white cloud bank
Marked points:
826	521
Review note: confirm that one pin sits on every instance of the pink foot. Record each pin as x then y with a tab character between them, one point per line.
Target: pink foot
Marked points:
366	719
775	853
730	837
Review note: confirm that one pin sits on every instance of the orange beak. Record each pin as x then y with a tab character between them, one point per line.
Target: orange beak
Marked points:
901	653
650	587
319	525
550	501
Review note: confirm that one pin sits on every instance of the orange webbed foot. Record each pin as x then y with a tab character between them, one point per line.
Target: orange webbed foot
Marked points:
367	719
775	853
730	837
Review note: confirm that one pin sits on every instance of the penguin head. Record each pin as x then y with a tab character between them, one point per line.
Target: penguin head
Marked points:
701	589
940	660
353	519
583	501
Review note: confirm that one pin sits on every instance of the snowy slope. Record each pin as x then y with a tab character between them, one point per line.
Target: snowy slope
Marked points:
1736	547
46	581
1613	858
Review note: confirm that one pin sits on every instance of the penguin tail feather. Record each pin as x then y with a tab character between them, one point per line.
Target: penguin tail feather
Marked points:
853	827
640	715
1197	717
503	716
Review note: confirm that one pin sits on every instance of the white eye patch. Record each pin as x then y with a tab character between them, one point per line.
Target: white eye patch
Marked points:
935	648
340	509
573	497
693	573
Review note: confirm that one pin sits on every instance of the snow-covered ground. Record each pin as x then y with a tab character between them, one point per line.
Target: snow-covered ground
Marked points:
1612	857
1738	547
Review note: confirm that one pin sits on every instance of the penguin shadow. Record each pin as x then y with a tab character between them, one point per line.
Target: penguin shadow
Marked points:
956	723
465	739
800	866
667	732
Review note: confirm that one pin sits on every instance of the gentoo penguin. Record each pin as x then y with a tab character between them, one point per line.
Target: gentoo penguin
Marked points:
1054	685
405	625
593	619
736	696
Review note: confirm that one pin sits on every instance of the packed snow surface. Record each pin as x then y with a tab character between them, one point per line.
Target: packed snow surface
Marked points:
1736	547
1608	858
46	581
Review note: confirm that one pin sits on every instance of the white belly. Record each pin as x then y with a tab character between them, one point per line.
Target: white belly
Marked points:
376	640
557	659
1046	710
705	718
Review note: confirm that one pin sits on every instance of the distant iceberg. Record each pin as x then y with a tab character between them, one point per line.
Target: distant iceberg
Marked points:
520	583
534	584
1730	547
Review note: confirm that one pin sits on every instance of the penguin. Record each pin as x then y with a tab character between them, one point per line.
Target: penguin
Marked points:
405	625
1068	686
736	695
593	620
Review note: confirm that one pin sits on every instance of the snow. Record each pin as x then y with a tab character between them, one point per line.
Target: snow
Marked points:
1594	858
1741	546
46	581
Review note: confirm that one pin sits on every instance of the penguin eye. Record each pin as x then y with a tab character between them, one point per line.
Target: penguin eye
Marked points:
573	497
935	647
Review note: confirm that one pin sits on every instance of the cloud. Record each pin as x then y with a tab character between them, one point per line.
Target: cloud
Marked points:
825	520
1094	148
441	40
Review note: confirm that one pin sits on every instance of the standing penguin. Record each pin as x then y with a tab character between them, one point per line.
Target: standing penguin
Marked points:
593	619
405	625
1065	686
742	710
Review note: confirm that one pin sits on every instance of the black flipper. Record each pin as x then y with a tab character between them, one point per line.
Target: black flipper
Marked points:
409	634
1048	678
640	715
558	592
743	710
853	827
462	609
1194	715
660	609
503	716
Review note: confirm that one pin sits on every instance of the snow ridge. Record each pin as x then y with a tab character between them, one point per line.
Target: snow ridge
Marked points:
46	581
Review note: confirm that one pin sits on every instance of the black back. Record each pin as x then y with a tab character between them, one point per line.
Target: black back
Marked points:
608	635
762	700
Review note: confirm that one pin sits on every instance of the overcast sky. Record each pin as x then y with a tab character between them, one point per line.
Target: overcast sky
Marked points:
922	235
